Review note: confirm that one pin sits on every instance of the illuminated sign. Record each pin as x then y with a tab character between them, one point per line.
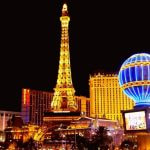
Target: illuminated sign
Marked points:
135	120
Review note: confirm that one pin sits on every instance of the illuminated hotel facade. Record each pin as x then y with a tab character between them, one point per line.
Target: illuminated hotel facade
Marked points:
107	98
34	104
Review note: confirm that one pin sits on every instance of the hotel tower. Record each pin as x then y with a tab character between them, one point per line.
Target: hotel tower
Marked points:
107	98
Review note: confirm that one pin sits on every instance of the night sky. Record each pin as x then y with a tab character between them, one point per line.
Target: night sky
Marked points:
102	37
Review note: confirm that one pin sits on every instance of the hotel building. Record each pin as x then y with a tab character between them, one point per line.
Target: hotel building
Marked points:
34	104
107	98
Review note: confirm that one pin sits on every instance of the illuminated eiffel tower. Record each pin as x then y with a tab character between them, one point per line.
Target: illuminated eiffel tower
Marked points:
63	99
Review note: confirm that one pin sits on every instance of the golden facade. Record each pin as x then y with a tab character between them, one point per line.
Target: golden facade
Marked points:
107	98
64	91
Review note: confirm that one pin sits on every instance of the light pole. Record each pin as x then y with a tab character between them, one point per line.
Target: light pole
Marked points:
75	141
75	138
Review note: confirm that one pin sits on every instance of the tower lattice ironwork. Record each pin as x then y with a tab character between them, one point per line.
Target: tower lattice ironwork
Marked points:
63	99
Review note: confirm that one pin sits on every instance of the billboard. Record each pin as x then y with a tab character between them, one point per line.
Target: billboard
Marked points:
135	120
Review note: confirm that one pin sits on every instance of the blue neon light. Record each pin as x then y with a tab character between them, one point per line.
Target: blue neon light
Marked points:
130	73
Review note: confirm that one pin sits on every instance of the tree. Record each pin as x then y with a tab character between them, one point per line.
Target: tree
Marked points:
93	141
101	138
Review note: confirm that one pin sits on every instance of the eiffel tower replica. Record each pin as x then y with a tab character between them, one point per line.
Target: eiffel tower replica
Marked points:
63	106
63	99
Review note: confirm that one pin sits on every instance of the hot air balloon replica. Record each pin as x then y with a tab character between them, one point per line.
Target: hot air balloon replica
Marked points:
134	79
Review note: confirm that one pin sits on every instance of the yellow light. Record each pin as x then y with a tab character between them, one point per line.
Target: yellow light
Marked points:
135	64
64	7
136	83
24	96
64	88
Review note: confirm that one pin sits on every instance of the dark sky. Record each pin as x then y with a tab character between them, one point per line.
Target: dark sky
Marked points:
102	37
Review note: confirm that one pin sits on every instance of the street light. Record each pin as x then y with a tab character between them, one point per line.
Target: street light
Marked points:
75	140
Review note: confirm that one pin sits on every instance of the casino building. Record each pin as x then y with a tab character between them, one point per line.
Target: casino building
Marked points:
34	104
107	97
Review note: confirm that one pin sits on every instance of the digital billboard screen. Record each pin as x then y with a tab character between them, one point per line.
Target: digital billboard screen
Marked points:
135	120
